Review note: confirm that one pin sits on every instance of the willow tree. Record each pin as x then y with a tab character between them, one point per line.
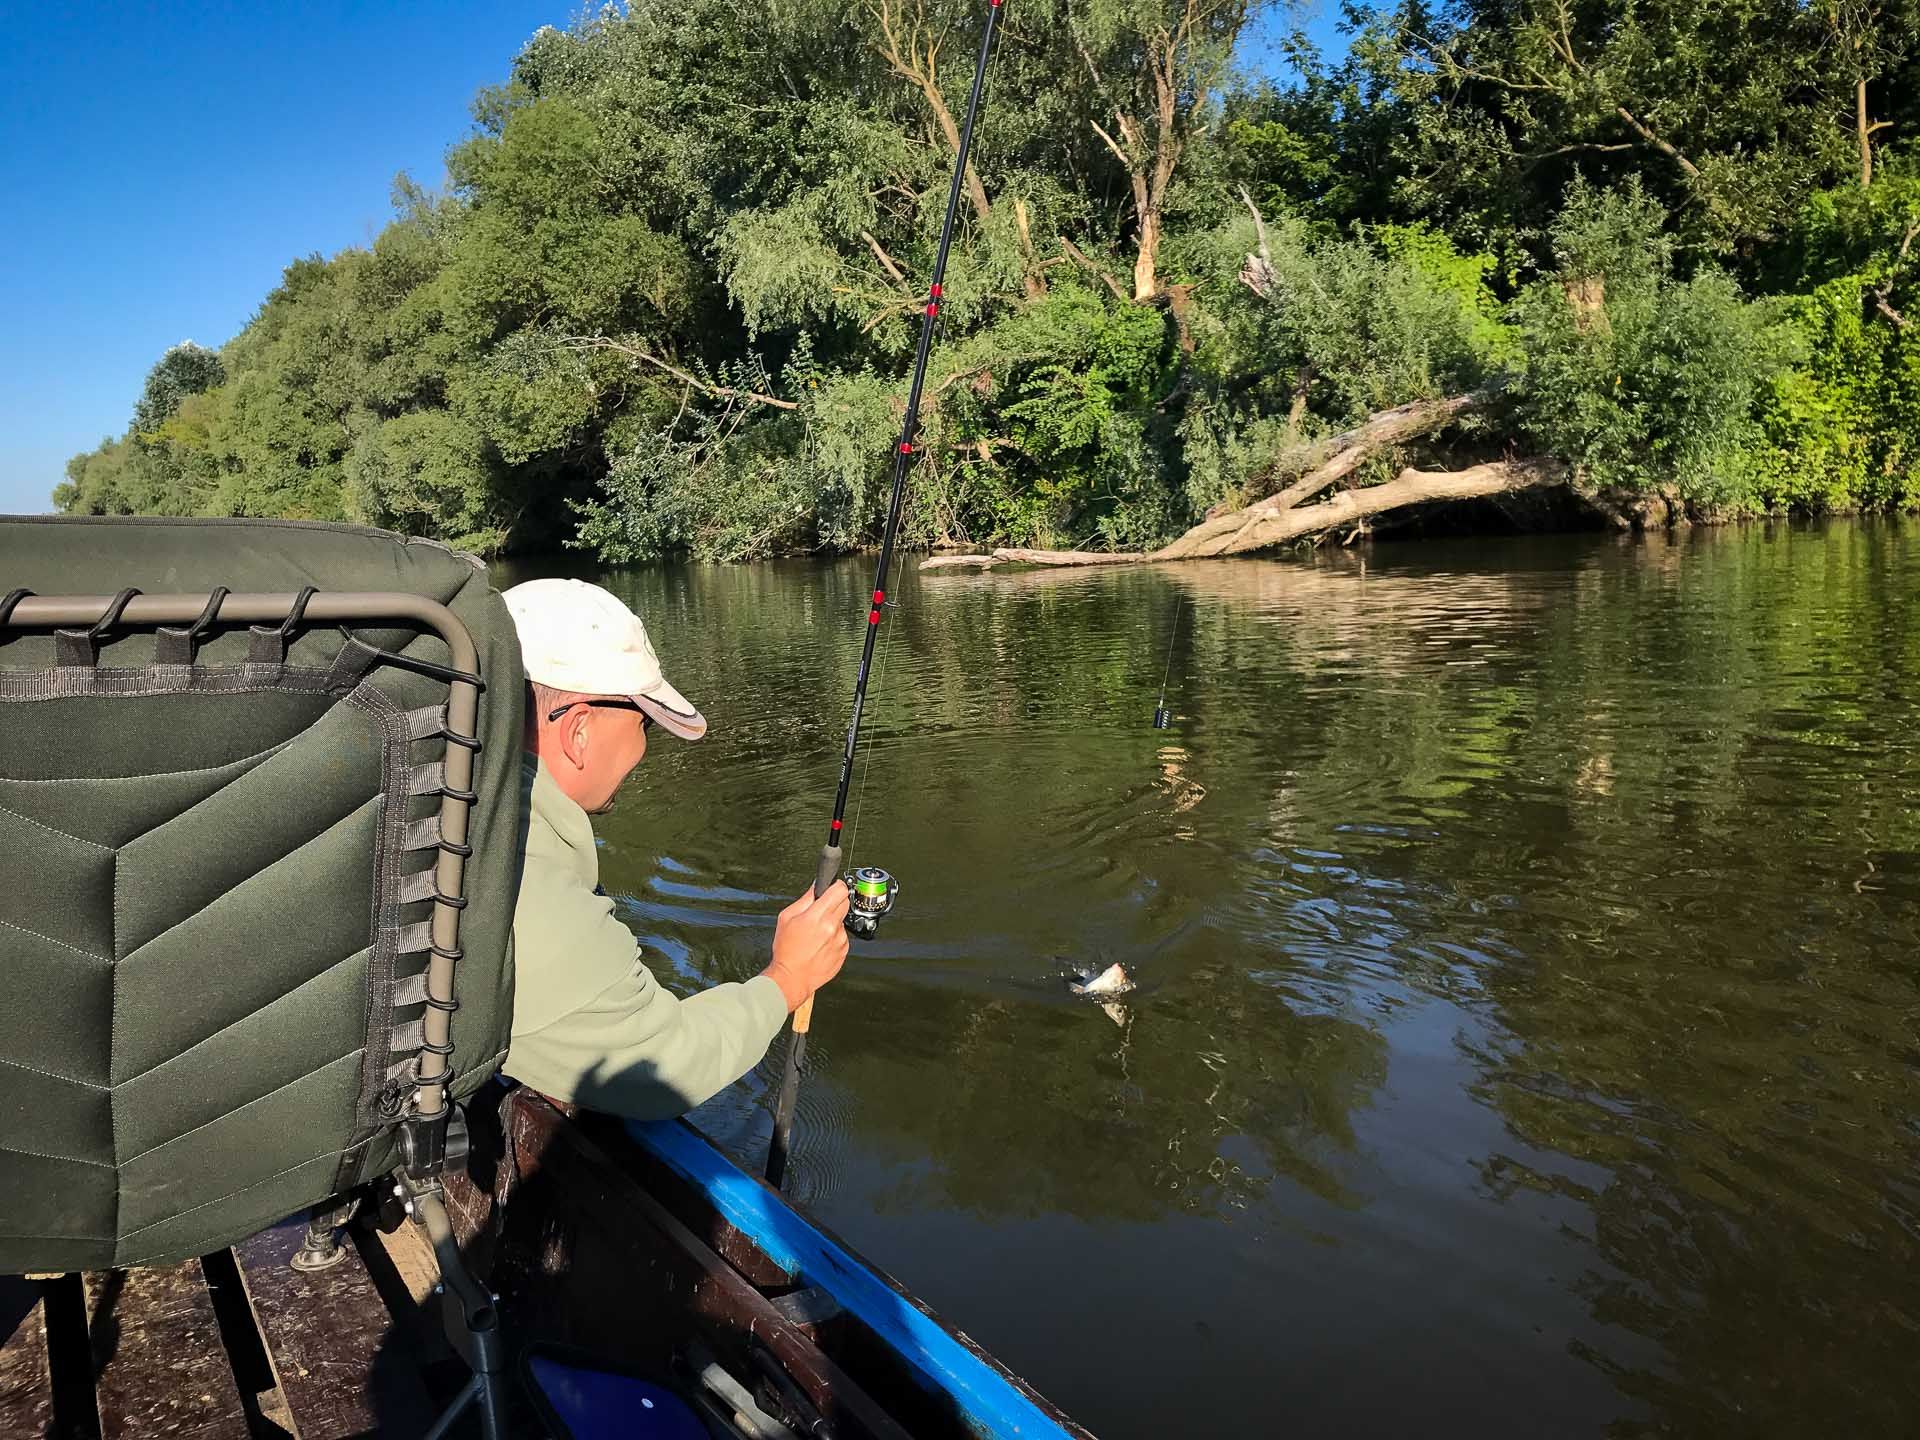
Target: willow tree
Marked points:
1157	68
1731	110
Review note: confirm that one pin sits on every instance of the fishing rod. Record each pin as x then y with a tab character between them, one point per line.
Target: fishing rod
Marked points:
873	890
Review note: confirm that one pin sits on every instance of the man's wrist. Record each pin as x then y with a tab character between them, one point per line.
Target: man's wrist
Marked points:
792	989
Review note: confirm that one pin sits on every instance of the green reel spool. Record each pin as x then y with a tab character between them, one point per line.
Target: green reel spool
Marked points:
873	891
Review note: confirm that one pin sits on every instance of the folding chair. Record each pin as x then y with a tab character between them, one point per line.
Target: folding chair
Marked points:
259	811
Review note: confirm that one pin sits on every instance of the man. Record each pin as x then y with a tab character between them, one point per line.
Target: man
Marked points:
590	1024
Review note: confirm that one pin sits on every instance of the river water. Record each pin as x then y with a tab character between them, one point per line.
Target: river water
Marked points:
1525	933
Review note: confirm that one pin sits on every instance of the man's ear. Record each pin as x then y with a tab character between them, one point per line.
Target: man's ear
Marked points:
573	736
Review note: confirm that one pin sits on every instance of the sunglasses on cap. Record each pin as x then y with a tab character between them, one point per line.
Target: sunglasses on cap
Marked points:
554	714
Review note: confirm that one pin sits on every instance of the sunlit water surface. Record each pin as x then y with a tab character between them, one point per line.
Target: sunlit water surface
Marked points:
1528	1009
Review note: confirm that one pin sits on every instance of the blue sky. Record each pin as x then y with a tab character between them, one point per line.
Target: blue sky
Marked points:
159	167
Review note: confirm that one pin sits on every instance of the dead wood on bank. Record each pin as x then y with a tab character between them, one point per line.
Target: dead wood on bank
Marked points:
1309	471
1266	523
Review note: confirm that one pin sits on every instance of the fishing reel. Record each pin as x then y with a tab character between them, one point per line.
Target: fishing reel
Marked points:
873	892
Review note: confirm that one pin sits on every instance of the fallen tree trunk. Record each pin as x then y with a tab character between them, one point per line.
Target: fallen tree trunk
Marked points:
1268	522
1330	460
1326	463
1018	556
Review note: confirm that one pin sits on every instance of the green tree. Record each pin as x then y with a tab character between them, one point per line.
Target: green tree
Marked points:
1645	381
1726	110
186	369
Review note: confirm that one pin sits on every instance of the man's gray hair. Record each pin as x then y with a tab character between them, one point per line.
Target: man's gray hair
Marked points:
543	700
546	697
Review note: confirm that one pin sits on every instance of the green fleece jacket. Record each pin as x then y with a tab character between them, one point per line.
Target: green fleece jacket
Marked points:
590	1023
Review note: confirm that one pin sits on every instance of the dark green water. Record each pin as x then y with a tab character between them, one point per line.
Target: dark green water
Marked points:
1529	1007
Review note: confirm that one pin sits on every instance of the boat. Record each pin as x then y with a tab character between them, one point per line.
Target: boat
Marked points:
251	1188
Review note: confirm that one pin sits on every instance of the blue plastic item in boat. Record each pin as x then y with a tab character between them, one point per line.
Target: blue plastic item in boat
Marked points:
605	1405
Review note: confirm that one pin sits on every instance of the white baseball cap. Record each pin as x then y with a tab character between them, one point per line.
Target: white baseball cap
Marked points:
575	636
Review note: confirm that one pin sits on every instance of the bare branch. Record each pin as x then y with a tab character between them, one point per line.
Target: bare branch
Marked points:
1447	61
1259	225
705	387
886	260
1565	38
1086	263
1112	144
1641	129
886	312
1092	69
904	61
1257	273
1589	147
1883	292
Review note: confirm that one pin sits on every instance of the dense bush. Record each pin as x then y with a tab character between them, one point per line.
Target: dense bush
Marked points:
670	297
1641	379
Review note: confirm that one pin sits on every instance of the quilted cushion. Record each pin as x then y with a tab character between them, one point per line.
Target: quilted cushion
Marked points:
202	889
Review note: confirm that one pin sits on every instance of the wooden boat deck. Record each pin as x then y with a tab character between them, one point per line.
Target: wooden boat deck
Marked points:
235	1346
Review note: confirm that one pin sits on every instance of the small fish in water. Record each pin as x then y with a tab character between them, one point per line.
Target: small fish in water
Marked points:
1100	983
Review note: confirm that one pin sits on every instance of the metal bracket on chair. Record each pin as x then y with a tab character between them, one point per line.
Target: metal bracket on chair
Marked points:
423	1147
430	1144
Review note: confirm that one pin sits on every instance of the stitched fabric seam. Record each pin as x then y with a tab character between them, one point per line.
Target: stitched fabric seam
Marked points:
30	686
63	1159
320	974
253	760
220	1199
63	834
264	759
64	945
153	940
252	1100
53	1074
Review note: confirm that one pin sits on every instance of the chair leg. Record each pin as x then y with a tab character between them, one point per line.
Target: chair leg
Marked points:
471	1322
468	1394
322	1249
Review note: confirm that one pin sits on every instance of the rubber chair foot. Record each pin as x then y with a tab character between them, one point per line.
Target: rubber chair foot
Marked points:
310	1258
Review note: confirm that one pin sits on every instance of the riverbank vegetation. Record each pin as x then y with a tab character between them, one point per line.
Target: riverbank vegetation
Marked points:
1212	290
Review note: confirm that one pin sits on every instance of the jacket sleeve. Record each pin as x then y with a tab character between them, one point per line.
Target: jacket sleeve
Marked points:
609	1037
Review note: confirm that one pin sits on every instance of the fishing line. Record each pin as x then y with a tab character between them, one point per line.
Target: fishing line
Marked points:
1162	717
871	890
866	764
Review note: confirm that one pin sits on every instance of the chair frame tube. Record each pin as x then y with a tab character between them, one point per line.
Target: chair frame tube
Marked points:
48	612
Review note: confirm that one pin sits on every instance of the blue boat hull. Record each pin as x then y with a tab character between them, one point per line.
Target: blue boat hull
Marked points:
646	1251
994	1403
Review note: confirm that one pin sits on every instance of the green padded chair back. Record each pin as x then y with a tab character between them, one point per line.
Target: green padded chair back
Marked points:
224	851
